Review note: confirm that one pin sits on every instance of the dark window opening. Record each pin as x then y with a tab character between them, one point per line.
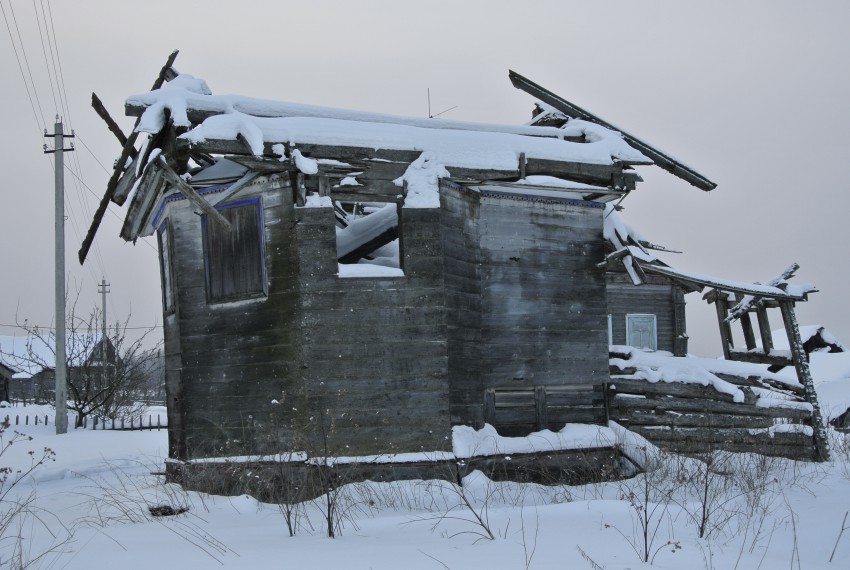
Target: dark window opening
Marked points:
233	257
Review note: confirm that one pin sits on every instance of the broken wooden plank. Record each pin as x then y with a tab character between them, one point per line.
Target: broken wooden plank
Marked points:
678	389
113	127
661	159
749	302
174	179
697	405
113	180
234	188
756	356
764	328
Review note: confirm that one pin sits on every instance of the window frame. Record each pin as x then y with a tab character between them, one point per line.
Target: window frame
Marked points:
164	237
262	289
642	316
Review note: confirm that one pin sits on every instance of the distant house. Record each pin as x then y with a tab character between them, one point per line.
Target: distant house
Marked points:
357	283
32	359
6	374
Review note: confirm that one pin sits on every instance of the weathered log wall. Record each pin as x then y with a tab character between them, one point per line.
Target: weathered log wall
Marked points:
356	365
226	362
373	350
692	418
659	297
526	308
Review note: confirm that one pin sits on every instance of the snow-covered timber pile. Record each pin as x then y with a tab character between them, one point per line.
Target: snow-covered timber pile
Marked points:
695	405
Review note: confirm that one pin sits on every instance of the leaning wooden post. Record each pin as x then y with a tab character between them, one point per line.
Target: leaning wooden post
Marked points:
801	363
721	304
764	329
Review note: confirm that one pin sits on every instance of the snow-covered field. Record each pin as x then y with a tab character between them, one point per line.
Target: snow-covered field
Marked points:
89	508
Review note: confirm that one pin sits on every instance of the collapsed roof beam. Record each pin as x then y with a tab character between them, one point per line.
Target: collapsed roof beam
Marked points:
126	152
174	179
664	161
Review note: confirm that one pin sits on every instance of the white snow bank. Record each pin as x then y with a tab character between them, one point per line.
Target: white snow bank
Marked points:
780	338
468	442
662	366
368	270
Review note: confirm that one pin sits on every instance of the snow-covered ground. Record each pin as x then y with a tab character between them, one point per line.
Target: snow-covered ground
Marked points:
89	509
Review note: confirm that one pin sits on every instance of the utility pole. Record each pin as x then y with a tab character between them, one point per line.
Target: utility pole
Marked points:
102	289
59	276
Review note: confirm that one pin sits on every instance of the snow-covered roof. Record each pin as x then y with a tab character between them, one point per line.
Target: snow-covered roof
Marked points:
191	104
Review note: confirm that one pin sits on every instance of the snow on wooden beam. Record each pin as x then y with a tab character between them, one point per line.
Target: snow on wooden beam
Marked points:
726	285
750	302
661	159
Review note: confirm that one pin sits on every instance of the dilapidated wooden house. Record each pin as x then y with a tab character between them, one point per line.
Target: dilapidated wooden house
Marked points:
359	283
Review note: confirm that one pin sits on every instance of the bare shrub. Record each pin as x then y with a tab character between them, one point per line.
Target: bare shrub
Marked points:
19	513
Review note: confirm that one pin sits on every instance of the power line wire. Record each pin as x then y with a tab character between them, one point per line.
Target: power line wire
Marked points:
44	51
21	69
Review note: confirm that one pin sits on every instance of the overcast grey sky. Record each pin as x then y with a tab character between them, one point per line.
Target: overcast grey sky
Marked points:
752	94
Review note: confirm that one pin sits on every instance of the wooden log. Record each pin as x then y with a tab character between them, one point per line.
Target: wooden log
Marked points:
804	375
722	307
113	127
692	419
620	404
759	357
764	328
762	382
749	336
679	389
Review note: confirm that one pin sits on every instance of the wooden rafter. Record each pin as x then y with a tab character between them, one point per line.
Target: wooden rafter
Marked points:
126	152
174	179
663	160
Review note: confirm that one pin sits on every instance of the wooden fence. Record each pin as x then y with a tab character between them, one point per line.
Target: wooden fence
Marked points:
149	422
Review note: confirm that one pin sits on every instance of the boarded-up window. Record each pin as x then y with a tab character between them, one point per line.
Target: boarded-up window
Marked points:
234	257
165	270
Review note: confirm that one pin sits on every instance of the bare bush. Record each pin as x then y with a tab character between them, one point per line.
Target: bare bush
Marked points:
106	374
20	512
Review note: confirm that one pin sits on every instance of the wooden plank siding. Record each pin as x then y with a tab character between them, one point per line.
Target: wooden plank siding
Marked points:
657	297
497	293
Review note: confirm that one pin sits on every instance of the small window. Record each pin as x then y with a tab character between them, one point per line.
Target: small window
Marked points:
233	258
165	269
641	331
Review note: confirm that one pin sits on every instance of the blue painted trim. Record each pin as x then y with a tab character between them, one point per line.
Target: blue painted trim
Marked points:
178	196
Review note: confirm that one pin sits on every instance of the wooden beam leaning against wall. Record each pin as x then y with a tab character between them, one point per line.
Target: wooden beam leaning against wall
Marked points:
174	179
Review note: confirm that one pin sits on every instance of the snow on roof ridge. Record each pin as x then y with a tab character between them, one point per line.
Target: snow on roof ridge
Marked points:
186	93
